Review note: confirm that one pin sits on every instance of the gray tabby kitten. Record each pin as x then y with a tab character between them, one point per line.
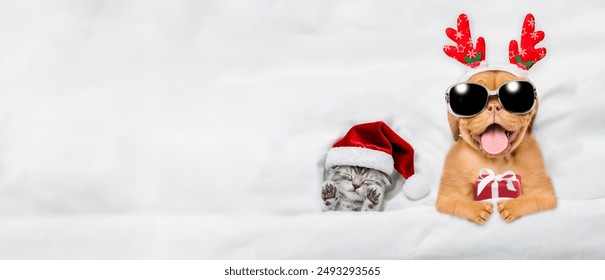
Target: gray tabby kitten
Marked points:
352	188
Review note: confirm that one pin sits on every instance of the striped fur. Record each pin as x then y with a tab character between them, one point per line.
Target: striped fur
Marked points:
352	188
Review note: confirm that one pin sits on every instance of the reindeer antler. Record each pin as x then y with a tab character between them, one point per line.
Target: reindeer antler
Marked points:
527	56
464	51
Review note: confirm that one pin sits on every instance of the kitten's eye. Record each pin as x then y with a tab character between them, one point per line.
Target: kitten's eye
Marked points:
368	182
344	176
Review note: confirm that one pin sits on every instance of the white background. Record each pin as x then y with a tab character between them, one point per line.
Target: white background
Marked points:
193	129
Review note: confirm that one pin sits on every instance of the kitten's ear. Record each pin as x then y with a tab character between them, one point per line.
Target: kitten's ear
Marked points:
389	180
393	177
454	126
329	171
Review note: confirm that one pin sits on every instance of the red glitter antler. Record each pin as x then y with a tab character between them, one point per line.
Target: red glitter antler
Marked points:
527	55
464	51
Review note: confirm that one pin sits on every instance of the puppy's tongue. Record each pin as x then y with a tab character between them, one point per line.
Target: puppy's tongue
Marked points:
494	140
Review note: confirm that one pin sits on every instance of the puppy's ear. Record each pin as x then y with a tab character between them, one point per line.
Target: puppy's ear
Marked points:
533	118
454	126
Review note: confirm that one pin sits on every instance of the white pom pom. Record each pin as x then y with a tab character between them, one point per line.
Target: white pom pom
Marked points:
415	187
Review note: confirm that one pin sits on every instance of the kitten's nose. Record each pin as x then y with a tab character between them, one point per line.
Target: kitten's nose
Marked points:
357	184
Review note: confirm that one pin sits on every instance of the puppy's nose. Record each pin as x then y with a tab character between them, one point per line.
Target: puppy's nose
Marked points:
494	106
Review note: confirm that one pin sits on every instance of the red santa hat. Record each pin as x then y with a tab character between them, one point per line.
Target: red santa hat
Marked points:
375	145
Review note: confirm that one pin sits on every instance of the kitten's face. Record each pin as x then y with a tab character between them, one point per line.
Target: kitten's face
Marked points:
352	181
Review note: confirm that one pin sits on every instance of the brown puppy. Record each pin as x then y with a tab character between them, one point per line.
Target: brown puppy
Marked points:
467	157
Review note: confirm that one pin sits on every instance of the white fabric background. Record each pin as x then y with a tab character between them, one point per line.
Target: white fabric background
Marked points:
193	129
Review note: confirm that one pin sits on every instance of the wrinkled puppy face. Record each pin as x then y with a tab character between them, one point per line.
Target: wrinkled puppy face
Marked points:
494	128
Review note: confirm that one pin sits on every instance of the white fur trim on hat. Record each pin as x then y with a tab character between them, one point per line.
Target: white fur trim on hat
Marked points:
362	157
415	187
496	67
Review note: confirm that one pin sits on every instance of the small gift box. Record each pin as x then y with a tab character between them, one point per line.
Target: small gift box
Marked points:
489	185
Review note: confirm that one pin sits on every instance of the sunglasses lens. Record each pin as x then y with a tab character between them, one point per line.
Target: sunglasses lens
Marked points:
517	96
467	99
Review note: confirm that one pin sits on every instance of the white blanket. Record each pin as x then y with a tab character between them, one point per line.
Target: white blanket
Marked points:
193	129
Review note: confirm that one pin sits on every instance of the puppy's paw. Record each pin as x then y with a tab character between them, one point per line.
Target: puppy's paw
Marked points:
481	212
508	210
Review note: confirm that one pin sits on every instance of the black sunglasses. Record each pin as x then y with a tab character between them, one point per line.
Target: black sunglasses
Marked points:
470	99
